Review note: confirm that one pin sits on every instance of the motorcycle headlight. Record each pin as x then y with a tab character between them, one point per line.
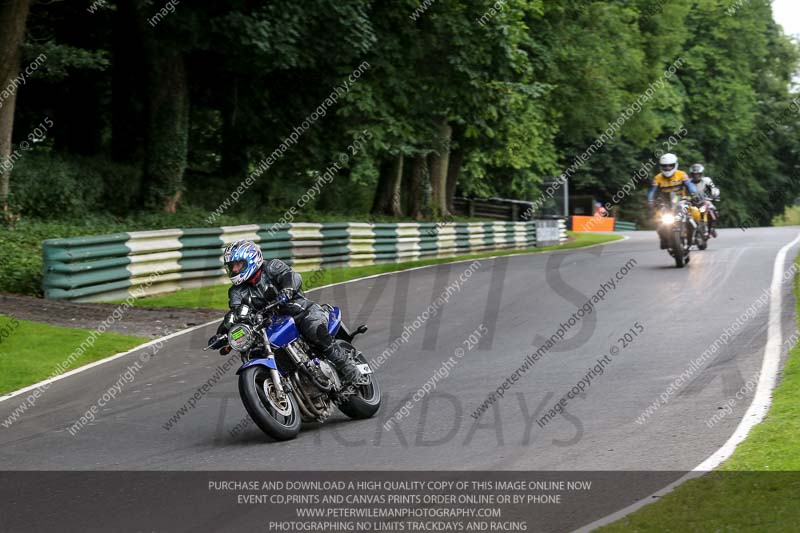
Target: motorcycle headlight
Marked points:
240	337
667	218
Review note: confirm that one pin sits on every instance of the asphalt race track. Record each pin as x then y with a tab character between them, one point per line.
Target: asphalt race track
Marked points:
511	306
650	408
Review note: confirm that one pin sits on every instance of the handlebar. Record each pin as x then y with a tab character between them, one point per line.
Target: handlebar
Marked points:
251	317
273	305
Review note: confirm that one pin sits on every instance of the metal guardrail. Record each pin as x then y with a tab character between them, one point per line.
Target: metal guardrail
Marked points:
496	208
620	225
109	267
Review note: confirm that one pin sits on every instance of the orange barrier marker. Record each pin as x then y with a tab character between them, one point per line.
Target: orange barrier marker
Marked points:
580	223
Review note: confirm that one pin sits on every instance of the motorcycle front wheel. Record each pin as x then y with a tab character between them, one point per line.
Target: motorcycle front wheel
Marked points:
278	418
702	242
678	249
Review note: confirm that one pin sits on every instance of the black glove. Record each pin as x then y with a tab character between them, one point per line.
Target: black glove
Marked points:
217	341
285	295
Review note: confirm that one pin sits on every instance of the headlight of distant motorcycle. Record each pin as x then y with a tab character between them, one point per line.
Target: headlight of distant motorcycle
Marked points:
667	218
240	337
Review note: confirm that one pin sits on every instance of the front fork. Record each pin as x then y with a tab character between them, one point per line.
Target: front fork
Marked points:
273	372
688	230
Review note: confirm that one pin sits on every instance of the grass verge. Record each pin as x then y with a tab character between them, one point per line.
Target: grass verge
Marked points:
217	296
751	491
30	351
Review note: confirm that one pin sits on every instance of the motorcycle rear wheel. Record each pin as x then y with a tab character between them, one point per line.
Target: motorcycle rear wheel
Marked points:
367	400
262	410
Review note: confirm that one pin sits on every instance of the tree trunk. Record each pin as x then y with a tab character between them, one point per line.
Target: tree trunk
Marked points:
234	141
396	204
456	161
129	87
414	188
380	204
167	118
440	161
387	193
168	129
13	18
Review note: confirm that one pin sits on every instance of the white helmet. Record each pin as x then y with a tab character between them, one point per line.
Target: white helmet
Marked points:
696	172
669	164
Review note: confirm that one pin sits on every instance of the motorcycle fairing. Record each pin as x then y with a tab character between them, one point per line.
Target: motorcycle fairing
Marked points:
282	331
334	321
268	362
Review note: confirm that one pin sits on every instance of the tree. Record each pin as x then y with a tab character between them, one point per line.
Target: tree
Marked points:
167	130
13	18
473	98
387	195
439	165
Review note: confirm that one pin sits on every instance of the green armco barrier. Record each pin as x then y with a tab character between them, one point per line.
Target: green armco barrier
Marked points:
620	225
111	267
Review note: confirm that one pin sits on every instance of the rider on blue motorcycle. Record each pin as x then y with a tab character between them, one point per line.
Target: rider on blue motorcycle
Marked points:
274	280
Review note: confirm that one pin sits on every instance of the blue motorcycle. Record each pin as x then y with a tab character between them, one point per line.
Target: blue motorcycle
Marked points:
282	382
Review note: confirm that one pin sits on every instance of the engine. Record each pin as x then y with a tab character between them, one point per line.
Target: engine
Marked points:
330	374
314	384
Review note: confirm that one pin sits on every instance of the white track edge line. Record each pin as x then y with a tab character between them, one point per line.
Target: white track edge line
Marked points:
762	399
101	361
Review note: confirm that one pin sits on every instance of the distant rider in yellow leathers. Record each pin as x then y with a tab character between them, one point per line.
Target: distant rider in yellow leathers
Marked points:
669	180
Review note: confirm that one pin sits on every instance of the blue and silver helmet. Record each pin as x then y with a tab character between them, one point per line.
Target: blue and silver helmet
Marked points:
242	259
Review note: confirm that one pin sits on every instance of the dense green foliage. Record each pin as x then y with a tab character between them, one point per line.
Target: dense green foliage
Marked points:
170	106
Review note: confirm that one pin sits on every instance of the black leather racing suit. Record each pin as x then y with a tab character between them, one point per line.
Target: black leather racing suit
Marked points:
265	287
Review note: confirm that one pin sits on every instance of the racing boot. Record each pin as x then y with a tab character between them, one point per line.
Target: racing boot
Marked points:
343	363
